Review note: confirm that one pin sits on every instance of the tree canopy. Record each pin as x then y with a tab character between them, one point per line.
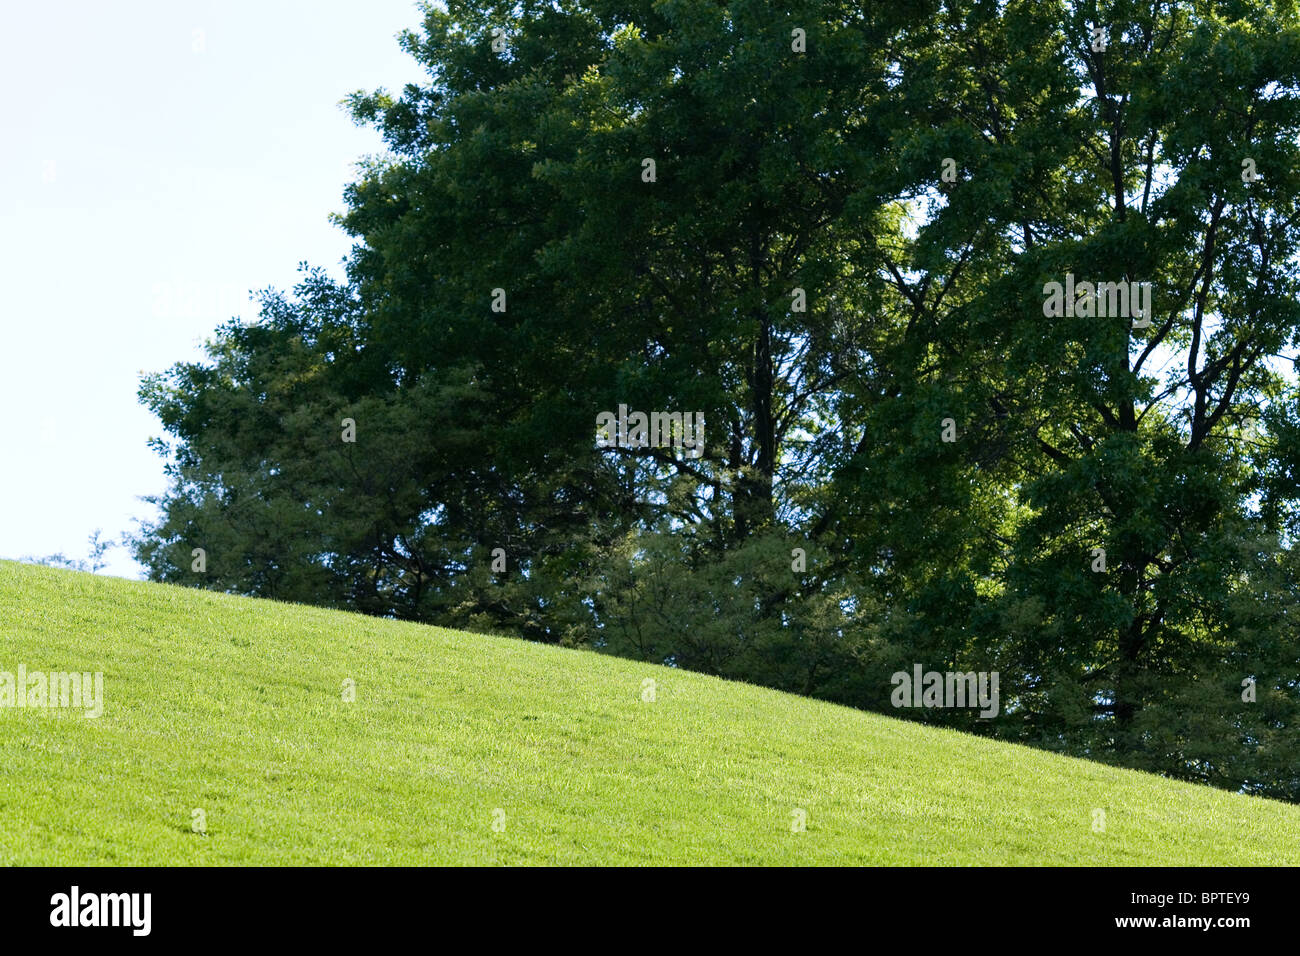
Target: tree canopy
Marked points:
989	310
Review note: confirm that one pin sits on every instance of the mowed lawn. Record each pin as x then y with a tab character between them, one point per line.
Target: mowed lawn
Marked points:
465	749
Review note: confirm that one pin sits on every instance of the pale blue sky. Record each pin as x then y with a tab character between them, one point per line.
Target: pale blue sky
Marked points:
159	160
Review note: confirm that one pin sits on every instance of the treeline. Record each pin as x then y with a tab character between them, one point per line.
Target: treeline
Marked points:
830	229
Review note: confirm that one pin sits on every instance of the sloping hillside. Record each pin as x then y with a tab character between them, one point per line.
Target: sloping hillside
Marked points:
461	748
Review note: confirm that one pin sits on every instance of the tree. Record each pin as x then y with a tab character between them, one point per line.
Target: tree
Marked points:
833	229
95	561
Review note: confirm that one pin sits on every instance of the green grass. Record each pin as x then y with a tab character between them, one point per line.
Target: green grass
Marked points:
234	706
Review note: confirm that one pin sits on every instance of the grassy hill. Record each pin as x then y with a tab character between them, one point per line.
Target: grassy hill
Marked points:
235	707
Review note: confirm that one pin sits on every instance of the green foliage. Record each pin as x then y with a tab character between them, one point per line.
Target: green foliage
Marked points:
1172	446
